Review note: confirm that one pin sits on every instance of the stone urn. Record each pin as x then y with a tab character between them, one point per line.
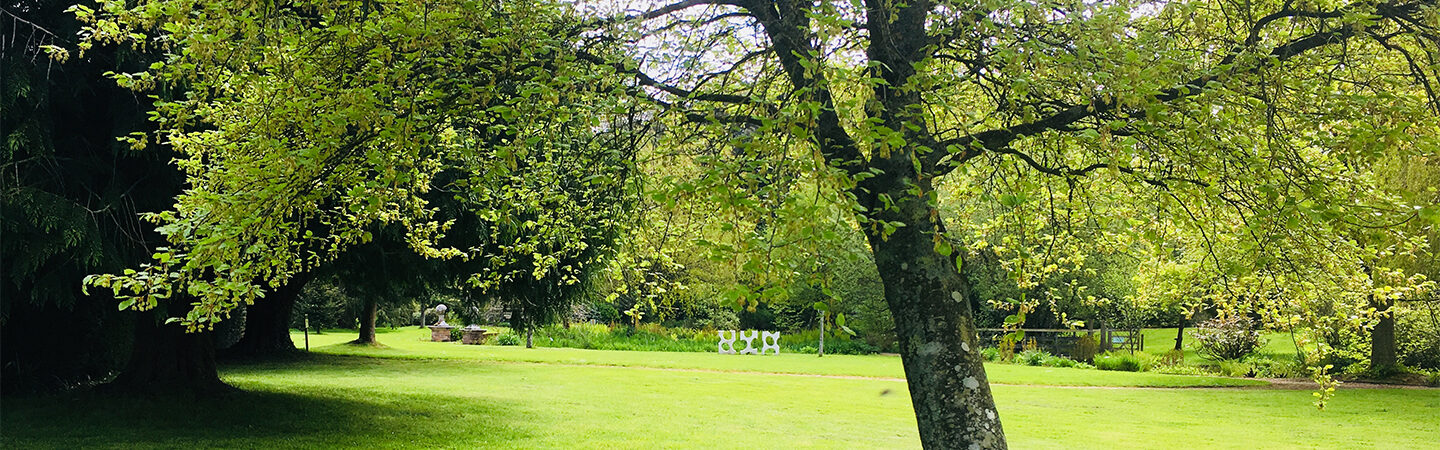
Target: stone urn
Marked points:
440	331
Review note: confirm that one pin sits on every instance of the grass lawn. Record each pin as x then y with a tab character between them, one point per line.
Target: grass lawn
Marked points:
415	344
420	394
1278	345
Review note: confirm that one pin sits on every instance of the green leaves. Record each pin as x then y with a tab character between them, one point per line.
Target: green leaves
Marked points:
1012	200
1014	319
942	246
298	136
1430	214
840	322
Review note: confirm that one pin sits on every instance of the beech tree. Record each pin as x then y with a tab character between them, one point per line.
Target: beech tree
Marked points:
308	124
1264	109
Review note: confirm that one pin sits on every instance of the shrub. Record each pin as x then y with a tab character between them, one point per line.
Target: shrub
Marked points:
1031	357
884	339
990	353
509	338
836	343
1433	378
1269	368
1228	338
604	312
1109	362
655	337
849	347
1007	347
1417	339
1173	358
1124	362
1348	349
1086	347
1375	372
1232	368
647	337
1058	361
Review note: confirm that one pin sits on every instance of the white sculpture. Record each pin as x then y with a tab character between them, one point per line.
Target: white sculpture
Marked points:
749	338
727	343
769	340
440	311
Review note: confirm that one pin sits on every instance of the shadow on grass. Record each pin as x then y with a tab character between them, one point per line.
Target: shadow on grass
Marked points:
257	418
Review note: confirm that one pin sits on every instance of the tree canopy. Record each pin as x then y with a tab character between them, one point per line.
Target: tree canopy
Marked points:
1252	123
338	115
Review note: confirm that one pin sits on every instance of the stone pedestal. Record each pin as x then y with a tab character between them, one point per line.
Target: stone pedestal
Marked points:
473	336
440	333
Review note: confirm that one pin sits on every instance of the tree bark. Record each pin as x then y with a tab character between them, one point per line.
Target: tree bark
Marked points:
529	337
168	359
1382	337
1180	336
935	326
925	291
367	321
821	351
267	323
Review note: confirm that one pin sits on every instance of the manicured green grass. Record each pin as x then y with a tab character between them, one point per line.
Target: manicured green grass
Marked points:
391	403
413	343
1278	345
441	395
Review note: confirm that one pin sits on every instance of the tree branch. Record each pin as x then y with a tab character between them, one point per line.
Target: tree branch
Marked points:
961	149
786	22
660	12
646	80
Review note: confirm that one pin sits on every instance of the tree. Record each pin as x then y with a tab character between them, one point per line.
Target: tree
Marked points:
1400	256
569	206
1175	290
1169	97
338	116
385	270
266	331
69	195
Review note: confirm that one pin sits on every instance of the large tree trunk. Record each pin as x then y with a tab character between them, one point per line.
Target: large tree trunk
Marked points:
1382	337
367	321
267	323
168	359
936	330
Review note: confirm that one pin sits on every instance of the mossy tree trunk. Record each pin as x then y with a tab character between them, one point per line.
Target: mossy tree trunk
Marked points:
938	341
